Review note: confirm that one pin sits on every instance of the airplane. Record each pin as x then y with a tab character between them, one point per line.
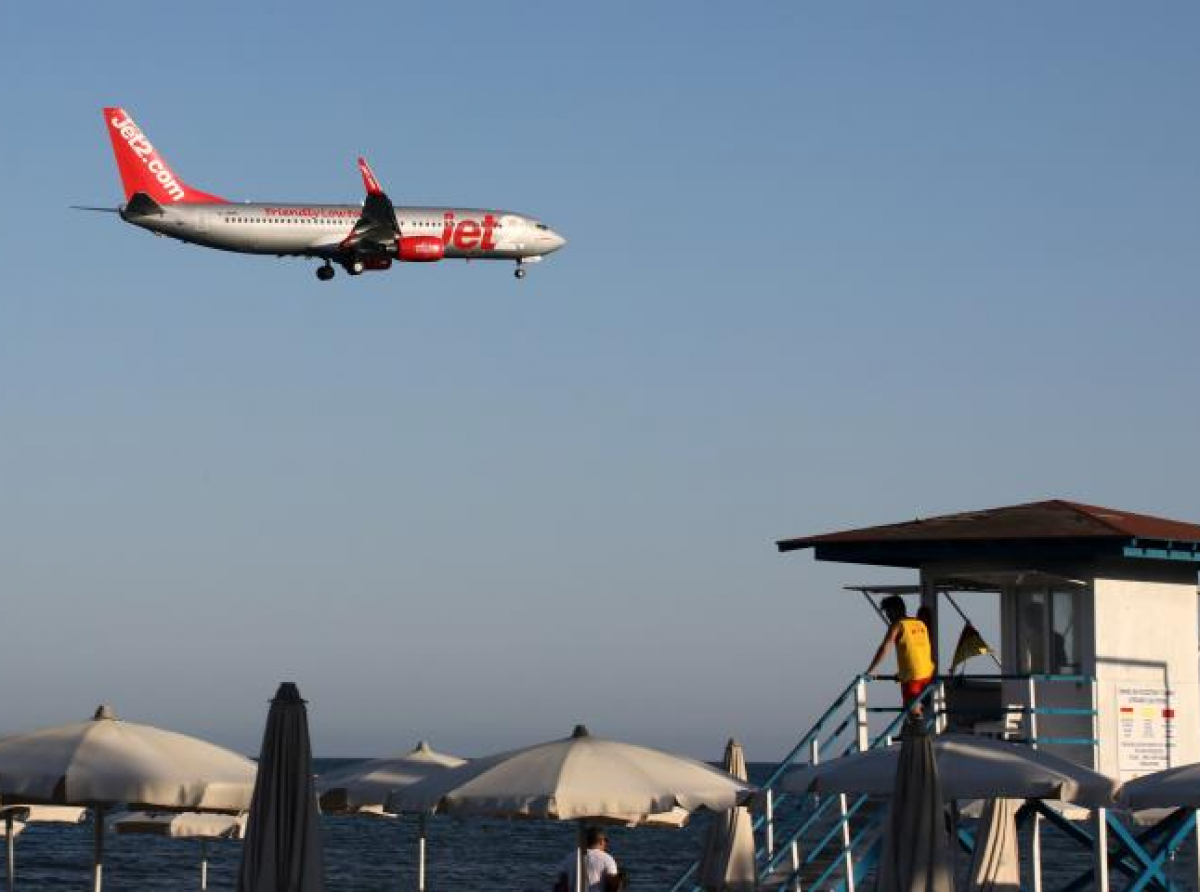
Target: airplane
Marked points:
359	238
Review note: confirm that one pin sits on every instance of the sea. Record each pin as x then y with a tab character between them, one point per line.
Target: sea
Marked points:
374	854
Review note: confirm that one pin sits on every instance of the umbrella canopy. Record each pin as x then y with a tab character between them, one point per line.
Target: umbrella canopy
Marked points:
578	777
363	789
969	767
1171	788
180	825
46	814
282	852
183	825
17	816
106	761
728	859
916	846
368	784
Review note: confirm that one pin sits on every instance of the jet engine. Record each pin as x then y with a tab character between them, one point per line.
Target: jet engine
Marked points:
420	248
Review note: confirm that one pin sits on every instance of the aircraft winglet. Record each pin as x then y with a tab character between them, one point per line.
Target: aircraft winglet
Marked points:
369	181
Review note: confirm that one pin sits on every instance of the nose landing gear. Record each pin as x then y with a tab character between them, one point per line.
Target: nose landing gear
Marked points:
520	271
325	273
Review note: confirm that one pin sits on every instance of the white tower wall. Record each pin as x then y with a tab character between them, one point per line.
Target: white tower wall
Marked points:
1145	652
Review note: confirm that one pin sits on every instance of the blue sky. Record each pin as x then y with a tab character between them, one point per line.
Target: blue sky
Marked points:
829	265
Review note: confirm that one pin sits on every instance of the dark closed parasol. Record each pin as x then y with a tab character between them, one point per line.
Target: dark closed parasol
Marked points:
282	852
916	848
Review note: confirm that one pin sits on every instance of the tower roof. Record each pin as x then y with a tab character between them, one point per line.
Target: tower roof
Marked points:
1051	529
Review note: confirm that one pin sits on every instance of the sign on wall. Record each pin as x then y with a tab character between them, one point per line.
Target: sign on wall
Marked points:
1145	730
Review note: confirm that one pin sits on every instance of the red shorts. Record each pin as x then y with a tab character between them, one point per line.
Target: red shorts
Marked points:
911	690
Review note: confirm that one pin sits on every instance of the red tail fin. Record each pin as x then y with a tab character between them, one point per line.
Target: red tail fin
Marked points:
369	182
142	168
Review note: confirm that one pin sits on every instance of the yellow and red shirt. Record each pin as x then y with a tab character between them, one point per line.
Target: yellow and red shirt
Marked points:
914	655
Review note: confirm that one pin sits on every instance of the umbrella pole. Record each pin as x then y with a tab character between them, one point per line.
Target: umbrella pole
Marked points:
581	860
98	853
203	864
1035	851
421	853
10	867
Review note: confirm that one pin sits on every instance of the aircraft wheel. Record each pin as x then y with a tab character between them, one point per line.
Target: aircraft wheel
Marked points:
355	267
325	273
519	272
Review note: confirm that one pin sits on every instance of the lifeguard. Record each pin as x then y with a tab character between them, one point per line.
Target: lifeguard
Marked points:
914	656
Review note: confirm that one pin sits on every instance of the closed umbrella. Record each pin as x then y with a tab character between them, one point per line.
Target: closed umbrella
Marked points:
183	825
364	788
916	846
578	778
106	762
728	859
969	767
282	852
996	865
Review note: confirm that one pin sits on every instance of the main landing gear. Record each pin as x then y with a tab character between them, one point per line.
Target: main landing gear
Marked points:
355	267
520	271
325	273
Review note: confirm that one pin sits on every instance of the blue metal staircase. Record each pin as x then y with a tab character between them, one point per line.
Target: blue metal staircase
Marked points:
823	843
814	843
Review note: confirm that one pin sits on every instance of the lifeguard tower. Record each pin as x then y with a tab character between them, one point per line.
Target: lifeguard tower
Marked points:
1097	660
1098	622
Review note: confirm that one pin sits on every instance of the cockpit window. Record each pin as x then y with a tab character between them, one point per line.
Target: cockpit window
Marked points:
541	226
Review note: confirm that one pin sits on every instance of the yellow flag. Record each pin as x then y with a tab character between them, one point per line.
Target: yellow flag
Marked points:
970	644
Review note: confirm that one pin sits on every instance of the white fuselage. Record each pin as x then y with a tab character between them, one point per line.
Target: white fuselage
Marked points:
317	230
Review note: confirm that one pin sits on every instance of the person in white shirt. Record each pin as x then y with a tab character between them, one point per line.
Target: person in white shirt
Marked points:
601	867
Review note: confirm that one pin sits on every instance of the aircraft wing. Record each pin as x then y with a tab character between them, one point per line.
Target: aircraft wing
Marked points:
377	229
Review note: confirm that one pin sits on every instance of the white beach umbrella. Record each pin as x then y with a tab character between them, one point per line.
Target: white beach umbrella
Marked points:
578	778
1177	787
16	817
106	762
368	784
183	825
727	862
968	767
14	826
364	788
